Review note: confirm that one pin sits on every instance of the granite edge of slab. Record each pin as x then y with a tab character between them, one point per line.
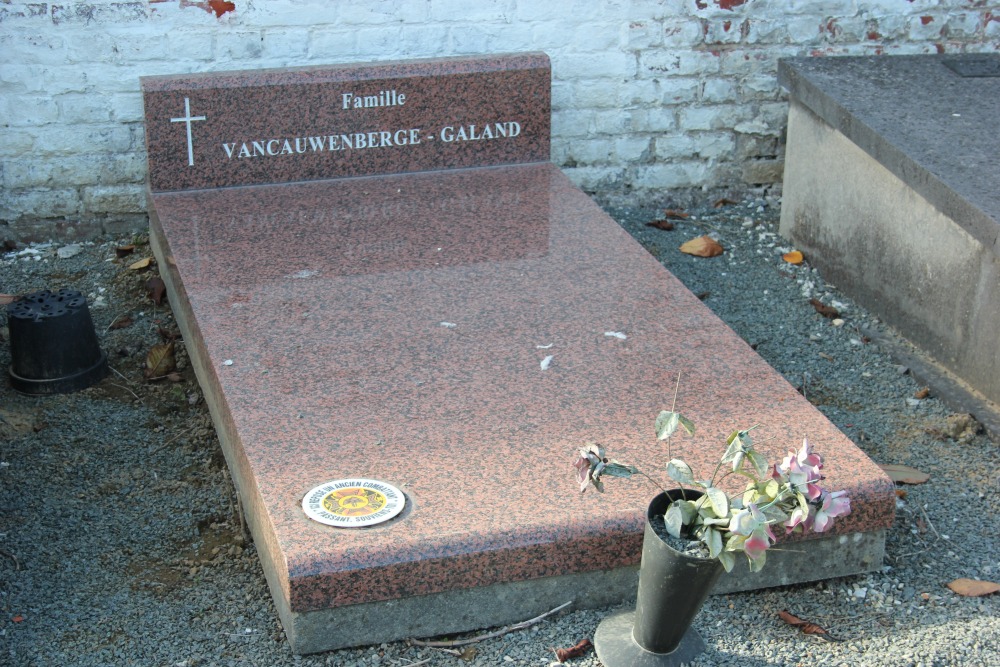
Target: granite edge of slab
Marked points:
255	516
361	70
793	75
467	610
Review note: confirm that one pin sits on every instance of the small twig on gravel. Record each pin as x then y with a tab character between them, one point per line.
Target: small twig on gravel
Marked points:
168	442
17	563
490	635
126	389
928	519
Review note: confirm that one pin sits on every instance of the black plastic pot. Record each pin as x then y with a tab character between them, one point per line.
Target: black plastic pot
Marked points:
53	345
672	588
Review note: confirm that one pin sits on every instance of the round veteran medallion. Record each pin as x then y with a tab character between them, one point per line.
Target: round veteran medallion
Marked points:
353	503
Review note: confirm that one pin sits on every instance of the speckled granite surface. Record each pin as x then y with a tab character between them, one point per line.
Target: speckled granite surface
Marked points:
332	313
394	327
271	126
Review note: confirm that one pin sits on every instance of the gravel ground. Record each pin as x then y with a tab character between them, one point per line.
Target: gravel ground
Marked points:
121	544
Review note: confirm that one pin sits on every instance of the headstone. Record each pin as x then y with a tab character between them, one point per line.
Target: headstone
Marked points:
433	317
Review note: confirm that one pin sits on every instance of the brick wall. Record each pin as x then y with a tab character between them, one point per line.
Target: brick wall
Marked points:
648	95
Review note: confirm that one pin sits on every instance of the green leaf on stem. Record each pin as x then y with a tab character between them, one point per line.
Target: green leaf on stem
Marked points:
674	519
680	472
720	503
615	469
728	560
714	541
758	462
667	422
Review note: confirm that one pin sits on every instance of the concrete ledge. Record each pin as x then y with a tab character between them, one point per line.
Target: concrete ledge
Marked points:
510	602
886	190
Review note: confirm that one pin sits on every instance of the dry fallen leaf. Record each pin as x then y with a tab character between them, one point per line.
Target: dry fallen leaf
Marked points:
703	246
675	214
805	626
564	654
725	201
156	289
121	323
160	361
823	309
904	474
8	298
168	336
793	257
901	493
973	587
124	250
143	263
922	393
665	225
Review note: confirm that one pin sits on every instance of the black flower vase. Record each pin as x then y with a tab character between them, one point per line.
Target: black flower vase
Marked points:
672	588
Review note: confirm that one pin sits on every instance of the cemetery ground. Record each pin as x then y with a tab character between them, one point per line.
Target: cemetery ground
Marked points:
121	540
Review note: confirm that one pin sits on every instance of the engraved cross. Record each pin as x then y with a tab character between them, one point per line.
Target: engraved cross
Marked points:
187	121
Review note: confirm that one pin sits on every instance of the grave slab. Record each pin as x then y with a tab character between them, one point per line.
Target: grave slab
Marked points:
457	333
890	188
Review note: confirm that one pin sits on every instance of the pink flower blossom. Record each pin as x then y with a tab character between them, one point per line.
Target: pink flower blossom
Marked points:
799	517
833	505
758	542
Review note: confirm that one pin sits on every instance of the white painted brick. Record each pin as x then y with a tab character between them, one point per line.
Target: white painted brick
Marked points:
475	12
651	120
60	172
41	203
573	123
803	29
640	93
379	43
15	141
760	86
72	140
683	63
962	25
287	45
715	91
239	45
87	13
764	31
127	107
595	151
612	121
594	179
715	145
587	66
424	38
114	199
679	90
682	33
723	30
28	110
632	149
598	94
675	146
591	36
715	117
670	176
78	108
383	12
332	45
638	35
41	49
296	13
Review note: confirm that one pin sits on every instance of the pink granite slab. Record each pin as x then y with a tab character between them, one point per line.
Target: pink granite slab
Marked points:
394	328
299	124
